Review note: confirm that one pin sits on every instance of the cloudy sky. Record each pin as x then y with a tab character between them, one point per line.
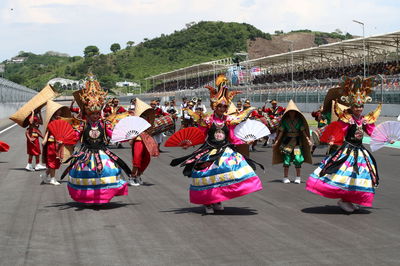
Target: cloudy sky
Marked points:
69	26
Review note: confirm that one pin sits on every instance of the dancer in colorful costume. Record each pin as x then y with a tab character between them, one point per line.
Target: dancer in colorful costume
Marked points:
94	171
218	172
350	173
292	143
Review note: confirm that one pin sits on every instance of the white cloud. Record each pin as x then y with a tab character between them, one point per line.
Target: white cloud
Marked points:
70	25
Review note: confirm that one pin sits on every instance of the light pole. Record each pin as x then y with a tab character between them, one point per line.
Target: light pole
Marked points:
363	27
291	51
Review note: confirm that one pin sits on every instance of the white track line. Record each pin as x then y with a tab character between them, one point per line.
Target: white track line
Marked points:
4	130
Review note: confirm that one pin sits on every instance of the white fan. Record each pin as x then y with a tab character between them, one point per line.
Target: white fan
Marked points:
251	130
384	133
128	128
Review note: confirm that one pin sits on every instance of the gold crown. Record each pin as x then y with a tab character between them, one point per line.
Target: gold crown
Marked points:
221	95
93	95
356	90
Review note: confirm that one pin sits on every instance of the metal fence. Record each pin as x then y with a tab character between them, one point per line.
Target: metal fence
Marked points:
11	92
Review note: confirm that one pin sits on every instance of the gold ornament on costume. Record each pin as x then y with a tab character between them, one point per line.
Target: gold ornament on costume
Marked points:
221	95
93	95
356	91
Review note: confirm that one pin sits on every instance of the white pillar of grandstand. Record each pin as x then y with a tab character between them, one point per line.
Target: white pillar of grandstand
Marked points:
363	27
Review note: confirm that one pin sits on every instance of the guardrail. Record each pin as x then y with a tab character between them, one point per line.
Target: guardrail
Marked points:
12	97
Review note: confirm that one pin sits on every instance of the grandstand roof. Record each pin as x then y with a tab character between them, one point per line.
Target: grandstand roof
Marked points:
353	48
193	70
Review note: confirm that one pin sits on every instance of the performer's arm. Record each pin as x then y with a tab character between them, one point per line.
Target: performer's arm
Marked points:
45	138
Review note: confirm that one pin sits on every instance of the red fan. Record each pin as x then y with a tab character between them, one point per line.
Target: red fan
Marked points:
334	133
4	147
190	136
62	132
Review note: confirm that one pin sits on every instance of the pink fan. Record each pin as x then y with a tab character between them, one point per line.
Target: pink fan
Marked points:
384	133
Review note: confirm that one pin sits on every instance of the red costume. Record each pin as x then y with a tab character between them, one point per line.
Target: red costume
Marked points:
140	155
255	114
118	109
33	147
274	112
50	154
159	112
75	110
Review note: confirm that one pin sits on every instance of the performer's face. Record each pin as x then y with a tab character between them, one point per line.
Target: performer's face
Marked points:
221	109
357	110
292	115
94	116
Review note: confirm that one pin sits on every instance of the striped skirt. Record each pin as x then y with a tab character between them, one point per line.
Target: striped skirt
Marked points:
87	185
228	177
349	174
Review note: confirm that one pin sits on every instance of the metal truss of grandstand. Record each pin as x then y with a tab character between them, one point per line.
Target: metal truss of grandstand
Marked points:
190	77
327	58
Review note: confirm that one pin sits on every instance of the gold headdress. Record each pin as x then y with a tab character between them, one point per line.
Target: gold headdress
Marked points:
93	95
221	95
356	91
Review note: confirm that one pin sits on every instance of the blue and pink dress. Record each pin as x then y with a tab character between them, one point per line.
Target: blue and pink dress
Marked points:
351	172
217	171
94	171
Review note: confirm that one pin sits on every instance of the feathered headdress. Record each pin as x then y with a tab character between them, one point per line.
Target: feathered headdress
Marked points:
93	95
356	91
221	95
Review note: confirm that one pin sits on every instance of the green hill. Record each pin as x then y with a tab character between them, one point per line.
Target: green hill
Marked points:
198	42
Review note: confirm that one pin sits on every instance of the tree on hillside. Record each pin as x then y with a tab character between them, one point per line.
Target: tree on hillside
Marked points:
129	44
339	31
91	51
115	47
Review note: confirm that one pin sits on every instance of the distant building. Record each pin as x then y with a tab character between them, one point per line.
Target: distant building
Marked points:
66	83
126	84
17	60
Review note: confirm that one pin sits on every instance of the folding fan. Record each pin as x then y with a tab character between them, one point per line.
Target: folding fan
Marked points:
333	132
384	133
4	147
190	136
62	132
251	130
128	128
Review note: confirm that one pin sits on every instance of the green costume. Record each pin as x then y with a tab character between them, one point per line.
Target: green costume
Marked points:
291	146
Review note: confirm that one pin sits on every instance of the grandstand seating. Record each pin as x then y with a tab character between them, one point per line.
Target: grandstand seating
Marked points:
389	68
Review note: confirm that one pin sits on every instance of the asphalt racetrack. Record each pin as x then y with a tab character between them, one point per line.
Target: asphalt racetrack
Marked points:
156	225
